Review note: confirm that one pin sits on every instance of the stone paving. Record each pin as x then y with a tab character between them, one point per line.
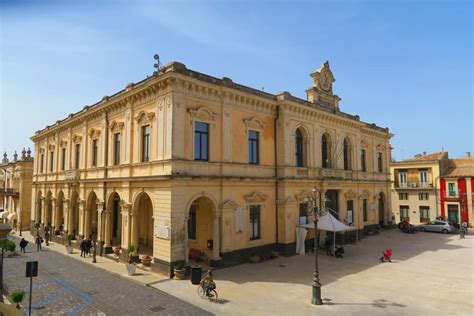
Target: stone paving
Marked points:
430	274
66	286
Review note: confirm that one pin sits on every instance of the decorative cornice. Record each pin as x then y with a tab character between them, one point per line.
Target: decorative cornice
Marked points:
145	117
94	133
116	127
254	124
76	139
350	195
255	197
203	114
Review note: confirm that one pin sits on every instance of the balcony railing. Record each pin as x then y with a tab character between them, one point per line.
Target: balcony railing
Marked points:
9	192
72	175
414	185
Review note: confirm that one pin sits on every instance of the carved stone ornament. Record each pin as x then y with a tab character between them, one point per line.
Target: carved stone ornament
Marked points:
145	117
76	139
380	147
94	133
364	144
116	127
365	194
254	124
229	204
62	143
203	114
350	195
42	150
304	194
51	147
255	197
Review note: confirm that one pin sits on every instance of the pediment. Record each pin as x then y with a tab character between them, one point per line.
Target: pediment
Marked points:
254	124
255	197
203	114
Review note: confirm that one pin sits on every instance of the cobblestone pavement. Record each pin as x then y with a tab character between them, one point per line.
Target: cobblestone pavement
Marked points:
65	286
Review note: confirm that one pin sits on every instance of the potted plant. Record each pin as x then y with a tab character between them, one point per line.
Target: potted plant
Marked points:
131	265
179	271
275	254
254	258
17	297
146	261
69	248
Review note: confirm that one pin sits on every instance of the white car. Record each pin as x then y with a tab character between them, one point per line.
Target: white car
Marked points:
438	226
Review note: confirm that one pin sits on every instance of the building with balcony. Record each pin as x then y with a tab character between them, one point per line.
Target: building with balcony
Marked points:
15	190
426	187
184	164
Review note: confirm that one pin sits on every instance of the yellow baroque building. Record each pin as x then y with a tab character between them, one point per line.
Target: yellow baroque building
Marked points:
183	164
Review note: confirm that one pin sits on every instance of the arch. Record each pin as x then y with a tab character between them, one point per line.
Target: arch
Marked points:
199	225
326	146
142	223
347	153
301	150
38	207
91	218
113	220
48	211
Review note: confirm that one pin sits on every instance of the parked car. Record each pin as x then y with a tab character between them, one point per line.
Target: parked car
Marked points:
438	226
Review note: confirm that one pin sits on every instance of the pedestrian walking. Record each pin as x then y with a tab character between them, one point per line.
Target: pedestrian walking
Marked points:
83	247
23	244
46	236
38	241
464	225
88	246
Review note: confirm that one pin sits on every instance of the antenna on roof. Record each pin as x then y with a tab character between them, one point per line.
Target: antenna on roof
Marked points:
157	64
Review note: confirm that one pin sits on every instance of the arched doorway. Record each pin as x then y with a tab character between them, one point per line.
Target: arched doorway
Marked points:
48	214
73	225
58	221
381	209
113	226
200	229
39	207
91	220
142	224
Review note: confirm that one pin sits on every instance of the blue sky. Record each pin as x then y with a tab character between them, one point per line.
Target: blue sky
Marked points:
406	65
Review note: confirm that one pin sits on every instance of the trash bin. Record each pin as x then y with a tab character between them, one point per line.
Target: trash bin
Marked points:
196	272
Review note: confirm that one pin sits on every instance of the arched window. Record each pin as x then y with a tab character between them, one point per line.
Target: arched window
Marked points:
347	154
299	150
326	151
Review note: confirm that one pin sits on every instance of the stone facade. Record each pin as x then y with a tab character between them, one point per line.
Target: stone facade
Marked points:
15	190
430	186
183	162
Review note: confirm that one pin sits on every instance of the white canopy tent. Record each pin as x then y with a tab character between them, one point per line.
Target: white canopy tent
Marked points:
327	223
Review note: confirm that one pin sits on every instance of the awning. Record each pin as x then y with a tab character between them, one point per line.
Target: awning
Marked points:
329	223
3	215
11	216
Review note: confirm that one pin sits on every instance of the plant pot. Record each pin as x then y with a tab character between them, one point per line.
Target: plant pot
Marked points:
69	249
254	259
146	261
131	267
275	254
179	274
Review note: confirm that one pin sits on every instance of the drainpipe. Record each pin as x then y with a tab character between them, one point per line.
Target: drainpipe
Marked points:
276	172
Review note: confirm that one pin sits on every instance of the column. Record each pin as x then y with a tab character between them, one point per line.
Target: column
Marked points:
67	216
80	206
216	238
108	229
54	215
125	234
87	220
134	228
43	211
100	213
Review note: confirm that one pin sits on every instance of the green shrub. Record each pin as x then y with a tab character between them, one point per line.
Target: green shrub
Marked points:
17	297
7	245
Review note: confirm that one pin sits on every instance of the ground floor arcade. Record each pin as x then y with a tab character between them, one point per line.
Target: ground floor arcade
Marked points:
221	222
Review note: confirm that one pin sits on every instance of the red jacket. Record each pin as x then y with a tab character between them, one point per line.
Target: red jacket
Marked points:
387	252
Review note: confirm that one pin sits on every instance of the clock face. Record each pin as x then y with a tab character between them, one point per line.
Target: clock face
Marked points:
325	81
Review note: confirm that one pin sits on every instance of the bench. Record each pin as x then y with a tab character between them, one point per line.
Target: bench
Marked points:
196	254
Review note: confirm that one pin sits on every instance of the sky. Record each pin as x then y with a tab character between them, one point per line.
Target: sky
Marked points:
406	65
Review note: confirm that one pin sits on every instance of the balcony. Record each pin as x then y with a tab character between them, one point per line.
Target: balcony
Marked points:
413	185
9	192
72	175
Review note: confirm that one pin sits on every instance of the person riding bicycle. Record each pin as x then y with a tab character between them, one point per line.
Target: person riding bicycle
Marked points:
208	283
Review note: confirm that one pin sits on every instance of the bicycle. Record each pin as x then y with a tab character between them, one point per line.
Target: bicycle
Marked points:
211	294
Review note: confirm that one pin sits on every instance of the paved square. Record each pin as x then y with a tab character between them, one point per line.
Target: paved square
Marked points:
429	273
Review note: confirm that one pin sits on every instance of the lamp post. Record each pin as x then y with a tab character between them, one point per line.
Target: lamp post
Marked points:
315	212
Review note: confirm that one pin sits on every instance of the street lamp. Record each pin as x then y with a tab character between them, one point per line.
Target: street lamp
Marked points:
315	212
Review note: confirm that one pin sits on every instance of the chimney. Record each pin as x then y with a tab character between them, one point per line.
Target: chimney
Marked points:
467	154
